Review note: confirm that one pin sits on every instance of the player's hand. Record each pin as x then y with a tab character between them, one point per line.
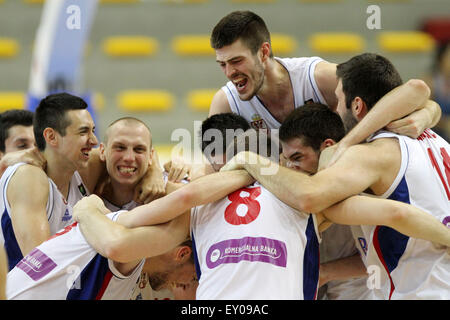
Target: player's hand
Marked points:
178	170
30	156
151	187
238	161
412	125
88	205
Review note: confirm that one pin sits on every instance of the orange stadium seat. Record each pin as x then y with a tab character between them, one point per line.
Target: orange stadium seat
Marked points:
145	100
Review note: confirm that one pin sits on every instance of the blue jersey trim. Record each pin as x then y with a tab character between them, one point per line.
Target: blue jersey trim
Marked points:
90	280
311	262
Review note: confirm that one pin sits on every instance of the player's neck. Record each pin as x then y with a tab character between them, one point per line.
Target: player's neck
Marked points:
277	83
59	171
276	92
118	194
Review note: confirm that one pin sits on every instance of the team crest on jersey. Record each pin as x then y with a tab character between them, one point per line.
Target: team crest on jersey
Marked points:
82	190
258	123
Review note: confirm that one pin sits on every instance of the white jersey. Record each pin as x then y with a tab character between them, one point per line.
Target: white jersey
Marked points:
67	267
251	245
413	268
301	73
59	211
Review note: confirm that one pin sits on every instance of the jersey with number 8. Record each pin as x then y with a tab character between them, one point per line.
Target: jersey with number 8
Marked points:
250	245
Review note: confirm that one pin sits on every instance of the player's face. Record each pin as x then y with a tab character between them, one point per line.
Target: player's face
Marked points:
300	157
183	274
345	113
79	139
19	138
127	153
240	66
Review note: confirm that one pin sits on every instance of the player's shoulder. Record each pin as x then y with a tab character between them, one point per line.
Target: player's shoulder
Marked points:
219	103
30	175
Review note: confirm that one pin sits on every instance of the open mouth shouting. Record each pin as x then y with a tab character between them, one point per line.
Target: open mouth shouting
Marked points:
240	83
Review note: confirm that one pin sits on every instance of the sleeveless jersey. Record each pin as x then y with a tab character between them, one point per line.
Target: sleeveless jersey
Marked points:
301	73
411	268
250	245
59	211
67	267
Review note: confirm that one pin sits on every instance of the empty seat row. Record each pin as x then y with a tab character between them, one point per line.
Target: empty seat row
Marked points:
282	44
128	100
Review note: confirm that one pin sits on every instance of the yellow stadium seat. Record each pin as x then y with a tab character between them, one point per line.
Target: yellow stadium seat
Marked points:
130	46
405	41
200	100
336	42
283	44
8	48
192	45
145	100
12	100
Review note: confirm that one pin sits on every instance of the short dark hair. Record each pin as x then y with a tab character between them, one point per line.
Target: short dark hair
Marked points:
51	113
244	25
314	123
11	118
256	141
222	122
368	76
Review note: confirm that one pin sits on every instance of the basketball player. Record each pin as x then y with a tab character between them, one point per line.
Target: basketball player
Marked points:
127	153
389	166
234	248
67	267
64	133
264	89
16	131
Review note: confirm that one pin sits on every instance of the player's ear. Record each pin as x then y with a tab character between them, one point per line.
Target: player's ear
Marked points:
151	155
265	51
183	253
102	152
327	143
50	136
359	108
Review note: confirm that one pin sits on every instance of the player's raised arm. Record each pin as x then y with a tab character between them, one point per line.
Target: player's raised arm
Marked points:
203	190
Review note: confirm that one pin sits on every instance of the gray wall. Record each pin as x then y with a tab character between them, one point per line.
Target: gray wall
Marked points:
180	75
